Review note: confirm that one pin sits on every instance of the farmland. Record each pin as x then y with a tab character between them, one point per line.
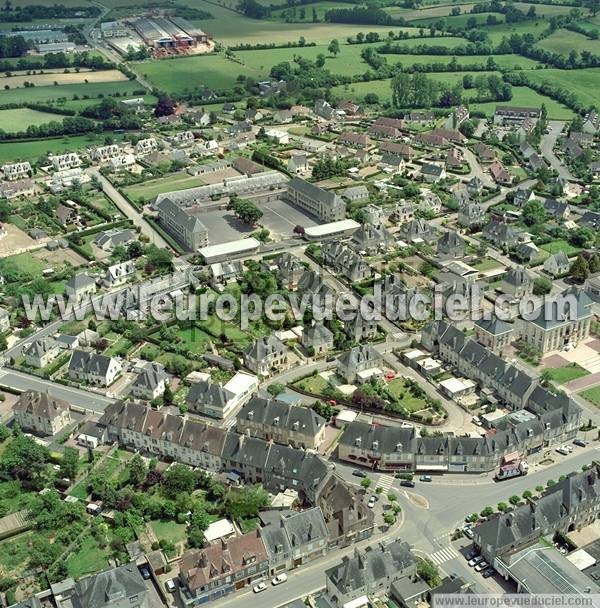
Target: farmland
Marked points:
19	119
56	94
584	83
58	77
565	41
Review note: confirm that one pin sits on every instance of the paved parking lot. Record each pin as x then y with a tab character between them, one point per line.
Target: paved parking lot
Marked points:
281	218
223	226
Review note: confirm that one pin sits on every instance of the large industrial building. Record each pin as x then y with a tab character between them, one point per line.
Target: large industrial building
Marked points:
166	32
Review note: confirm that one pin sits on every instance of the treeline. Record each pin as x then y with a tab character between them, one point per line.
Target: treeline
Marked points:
253	9
265	46
472	48
359	14
13	46
76	125
59	60
10	14
40	107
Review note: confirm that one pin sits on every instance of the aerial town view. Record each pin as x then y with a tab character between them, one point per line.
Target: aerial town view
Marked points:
299	303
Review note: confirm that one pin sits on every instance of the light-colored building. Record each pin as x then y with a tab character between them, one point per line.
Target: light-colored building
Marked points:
265	355
150	382
326	206
16	171
41	413
93	368
62	162
41	352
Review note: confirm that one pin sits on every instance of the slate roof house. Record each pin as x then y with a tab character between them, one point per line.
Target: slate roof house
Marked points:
317	339
360	360
80	285
566	506
41	352
415	230
450	245
150	382
273	420
471	214
494	333
500	233
121	587
344	261
41	413
372	237
369	571
432	173
288	269
93	368
265	354
557	264
517	283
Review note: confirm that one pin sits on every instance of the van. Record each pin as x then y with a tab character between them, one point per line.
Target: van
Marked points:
477	420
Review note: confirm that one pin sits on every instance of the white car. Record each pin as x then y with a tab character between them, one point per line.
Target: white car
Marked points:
170	585
481	566
260	587
562	450
371	502
280	578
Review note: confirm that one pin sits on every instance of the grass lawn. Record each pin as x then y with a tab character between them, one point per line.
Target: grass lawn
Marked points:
524	96
176	181
169	530
544	9
564	41
487	264
584	83
313	384
504	30
411	14
562	375
214	326
457	20
13	121
15	553
560	245
247	525
398	389
25	262
89	558
592	395
194	338
12	496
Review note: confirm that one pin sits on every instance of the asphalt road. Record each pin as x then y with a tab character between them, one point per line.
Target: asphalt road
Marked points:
547	146
128	209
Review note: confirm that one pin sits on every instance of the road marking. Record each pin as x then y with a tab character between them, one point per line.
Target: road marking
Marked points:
443	555
385	482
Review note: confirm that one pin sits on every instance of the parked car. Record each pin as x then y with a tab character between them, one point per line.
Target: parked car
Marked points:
481	566
471	554
372	502
170	585
260	587
562	450
279	579
475	560
425	478
407	483
468	532
358	473
489	572
581	442
145	572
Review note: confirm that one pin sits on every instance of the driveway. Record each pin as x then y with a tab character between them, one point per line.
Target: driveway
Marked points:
548	142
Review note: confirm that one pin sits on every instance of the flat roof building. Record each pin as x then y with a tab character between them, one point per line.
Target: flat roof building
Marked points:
227	251
342	228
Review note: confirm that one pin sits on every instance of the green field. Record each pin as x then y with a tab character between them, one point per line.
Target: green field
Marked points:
524	96
504	30
89	558
547	10
31	150
584	83
231	28
560	245
296	16
148	190
13	121
411	14
56	94
399	390
458	20
169	530
564	41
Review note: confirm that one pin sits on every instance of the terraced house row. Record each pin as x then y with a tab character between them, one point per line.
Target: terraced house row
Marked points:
539	417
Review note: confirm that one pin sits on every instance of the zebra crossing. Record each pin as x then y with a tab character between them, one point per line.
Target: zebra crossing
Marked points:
385	482
443	555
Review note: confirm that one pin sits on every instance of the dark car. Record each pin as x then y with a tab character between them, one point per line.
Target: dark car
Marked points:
407	483
489	572
145	573
580	442
358	473
471	554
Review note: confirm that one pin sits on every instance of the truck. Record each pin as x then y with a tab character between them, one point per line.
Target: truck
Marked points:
513	465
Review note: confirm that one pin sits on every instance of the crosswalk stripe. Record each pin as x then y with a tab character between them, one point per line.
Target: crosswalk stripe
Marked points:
385	482
443	555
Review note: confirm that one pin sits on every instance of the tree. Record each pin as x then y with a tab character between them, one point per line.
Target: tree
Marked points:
486	511
177	479
243	503
24	459
366	483
246	211
167	394
582	237
580	269
428	571
534	212
138	471
546	377
527	494
514	500
276	389
334	47
164	106
69	463
542	286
